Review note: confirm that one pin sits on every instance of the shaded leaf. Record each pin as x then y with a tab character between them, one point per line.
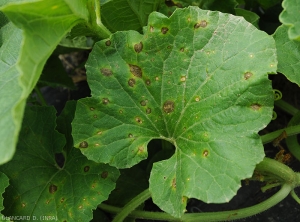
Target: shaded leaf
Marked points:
198	80
288	54
54	74
290	17
120	15
251	17
40	186
23	55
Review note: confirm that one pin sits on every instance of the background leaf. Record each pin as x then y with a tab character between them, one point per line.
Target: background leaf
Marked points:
3	184
39	185
288	53
120	15
198	80
22	59
228	6
290	17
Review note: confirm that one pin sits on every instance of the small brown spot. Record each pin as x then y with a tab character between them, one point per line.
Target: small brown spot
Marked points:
151	29
135	70
62	200
108	43
106	72
52	188
247	75
205	153
131	82
23	205
164	30
92	108
255	106
148	110
138	47
105	101
120	111
168	106
95	116
148	82
80	207
182	49
99	133
83	144
138	120
182	78
156	78
201	24
165	177
86	168
97	144
143	103
130	135
174	183
197	98
104	174
140	149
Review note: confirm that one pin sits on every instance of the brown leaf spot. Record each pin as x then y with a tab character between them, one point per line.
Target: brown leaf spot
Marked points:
205	153
138	120
131	82
255	106
106	72
83	144
86	168
105	101
174	183
148	110
201	24
164	30
52	188
104	174
135	70
138	47
168	106
143	103
247	75
148	82
108	43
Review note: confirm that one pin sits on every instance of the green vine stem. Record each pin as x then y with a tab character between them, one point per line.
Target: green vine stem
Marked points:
292	141
133	204
289	179
95	20
40	96
290	131
286	107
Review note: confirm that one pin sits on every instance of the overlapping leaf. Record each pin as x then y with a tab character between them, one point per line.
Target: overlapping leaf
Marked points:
120	15
198	80
39	186
23	55
290	17
288	53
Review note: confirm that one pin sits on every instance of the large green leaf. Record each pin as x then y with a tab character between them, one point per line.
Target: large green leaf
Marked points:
44	24
120	15
290	17
40	186
198	80
3	184
288	53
